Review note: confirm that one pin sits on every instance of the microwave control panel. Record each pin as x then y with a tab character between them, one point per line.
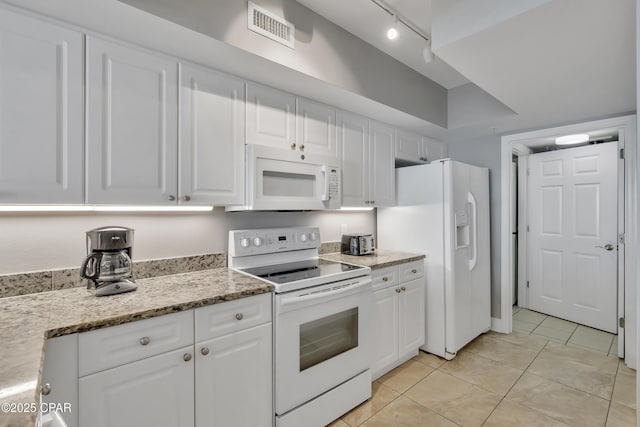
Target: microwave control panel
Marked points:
270	240
334	183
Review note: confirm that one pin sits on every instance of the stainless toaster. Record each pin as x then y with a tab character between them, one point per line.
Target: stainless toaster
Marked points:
357	244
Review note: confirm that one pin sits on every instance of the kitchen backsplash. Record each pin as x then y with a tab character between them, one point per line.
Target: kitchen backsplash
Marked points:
51	280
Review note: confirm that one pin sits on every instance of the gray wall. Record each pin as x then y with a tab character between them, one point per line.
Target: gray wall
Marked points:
322	50
486	152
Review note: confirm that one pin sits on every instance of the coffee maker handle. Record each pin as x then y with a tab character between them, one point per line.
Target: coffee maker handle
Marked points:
97	257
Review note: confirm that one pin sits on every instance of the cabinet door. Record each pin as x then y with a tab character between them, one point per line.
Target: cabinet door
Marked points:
382	165
211	138
433	150
316	129
60	371
271	116
157	391
132	119
234	380
385	325
353	138
411	311
41	103
408	147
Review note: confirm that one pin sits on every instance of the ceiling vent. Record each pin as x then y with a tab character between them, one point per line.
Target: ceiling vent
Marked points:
269	25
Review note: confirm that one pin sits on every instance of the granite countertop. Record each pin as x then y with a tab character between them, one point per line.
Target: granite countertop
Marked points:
380	259
26	321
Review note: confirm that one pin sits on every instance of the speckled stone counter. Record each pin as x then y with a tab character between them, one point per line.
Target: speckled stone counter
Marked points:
26	321
380	259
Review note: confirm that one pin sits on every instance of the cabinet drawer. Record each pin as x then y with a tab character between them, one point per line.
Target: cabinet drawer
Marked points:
221	319
384	277
411	270
117	345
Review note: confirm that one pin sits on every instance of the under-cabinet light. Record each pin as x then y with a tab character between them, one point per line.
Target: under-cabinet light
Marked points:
96	208
354	208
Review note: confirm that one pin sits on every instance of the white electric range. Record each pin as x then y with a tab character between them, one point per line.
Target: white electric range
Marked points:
322	323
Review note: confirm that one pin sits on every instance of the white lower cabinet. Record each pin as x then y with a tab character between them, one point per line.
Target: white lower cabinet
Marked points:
234	379
157	391
398	316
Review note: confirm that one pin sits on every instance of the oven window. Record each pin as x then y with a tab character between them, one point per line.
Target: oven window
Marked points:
288	184
328	337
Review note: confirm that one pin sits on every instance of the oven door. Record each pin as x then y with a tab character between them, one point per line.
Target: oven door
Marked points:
323	338
282	180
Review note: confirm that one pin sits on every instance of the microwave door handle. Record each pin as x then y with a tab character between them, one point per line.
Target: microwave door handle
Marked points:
325	195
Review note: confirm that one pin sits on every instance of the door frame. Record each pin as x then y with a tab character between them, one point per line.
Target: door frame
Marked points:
628	281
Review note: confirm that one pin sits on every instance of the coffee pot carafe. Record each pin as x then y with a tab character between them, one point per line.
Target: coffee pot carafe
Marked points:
108	264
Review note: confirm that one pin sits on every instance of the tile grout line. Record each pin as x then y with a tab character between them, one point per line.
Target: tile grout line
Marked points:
514	384
615	379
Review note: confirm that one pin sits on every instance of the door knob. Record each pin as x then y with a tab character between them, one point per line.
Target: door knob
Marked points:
608	247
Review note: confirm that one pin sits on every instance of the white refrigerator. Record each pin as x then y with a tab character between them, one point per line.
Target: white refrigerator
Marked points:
443	212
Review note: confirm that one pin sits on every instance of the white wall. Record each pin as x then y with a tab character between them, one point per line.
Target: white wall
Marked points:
41	241
486	152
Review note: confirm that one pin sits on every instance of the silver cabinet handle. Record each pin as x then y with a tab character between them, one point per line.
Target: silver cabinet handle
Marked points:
293	146
239	316
186	357
171	197
145	340
187	198
608	247
403	289
373	202
398	290
385	279
302	157
45	389
301	147
414	271
204	351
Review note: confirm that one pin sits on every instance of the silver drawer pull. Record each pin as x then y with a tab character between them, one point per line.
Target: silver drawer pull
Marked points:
398	290
45	389
385	279
186	357
239	316
145	340
204	351
414	271
403	288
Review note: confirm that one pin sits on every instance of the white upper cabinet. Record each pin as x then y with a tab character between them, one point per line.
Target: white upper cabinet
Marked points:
132	119
41	104
353	138
212	123
409	147
382	171
316	129
432	149
271	117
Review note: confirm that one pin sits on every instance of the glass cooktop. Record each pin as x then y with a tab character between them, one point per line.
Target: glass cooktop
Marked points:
301	270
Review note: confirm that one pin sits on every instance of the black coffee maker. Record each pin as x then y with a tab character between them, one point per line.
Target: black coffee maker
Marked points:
108	264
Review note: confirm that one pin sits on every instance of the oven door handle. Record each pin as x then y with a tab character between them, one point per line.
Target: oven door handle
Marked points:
289	302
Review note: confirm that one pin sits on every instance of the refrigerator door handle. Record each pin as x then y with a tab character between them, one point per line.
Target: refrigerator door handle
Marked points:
474	208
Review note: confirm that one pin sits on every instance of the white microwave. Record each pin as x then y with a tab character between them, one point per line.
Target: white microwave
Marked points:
279	179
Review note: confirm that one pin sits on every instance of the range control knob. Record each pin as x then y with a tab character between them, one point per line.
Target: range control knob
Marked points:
313	235
303	237
257	241
244	242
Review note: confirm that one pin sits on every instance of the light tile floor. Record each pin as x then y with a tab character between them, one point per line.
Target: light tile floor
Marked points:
520	379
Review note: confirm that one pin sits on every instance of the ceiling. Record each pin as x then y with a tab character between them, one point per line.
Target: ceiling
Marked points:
551	62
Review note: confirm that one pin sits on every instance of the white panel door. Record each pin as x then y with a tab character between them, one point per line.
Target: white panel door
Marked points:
573	234
382	165
271	117
234	379
433	150
316	129
411	312
132	118
41	101
158	391
385	325
211	138
353	138
408	146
